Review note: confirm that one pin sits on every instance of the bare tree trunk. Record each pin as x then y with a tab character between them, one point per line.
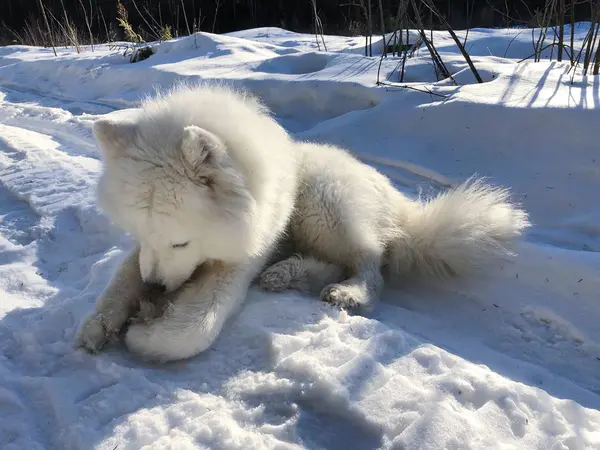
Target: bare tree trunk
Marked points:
589	57
572	32
382	25
370	27
403	70
363	7
431	25
469	18
561	28
597	61
592	34
584	47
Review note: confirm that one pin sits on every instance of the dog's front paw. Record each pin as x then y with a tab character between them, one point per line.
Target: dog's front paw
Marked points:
343	296
94	333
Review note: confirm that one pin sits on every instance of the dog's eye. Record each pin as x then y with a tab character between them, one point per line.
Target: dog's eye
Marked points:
182	245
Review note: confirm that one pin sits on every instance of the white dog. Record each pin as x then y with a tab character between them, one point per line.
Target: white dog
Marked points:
213	189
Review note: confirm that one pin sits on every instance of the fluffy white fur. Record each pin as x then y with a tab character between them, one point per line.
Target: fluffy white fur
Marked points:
212	188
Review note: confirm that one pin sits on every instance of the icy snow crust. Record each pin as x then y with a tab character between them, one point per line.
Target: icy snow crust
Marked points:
512	362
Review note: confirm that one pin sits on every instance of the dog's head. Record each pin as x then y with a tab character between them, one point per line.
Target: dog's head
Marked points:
177	191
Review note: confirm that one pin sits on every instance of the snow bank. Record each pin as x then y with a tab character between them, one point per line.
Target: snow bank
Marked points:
508	362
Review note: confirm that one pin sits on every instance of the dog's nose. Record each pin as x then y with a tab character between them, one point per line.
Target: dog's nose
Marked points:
157	288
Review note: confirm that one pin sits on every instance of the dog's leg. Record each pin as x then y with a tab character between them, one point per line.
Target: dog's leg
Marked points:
329	225
361	290
194	320
304	274
114	307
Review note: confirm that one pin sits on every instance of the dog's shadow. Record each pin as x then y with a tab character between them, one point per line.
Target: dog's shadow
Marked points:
251	366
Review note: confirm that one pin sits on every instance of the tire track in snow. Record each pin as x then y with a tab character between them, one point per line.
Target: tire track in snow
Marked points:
17	219
74	132
59	186
18	94
40	170
47	179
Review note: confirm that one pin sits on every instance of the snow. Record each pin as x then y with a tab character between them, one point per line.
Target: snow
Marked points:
508	362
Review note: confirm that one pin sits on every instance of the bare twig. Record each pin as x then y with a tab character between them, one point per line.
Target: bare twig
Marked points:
402	6
87	22
424	90
572	31
469	19
505	15
187	25
382	26
597	61
591	53
70	32
533	55
405	56
43	10
366	15
511	41
158	25
218	4
66	33
591	38
155	33
459	44
561	28
437	60
108	36
318	25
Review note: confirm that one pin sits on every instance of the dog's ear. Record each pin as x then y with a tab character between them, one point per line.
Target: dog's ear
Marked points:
114	135
200	147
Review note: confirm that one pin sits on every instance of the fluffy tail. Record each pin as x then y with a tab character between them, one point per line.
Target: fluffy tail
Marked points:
458	232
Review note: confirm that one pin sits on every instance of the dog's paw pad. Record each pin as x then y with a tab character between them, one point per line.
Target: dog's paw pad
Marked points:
345	297
93	334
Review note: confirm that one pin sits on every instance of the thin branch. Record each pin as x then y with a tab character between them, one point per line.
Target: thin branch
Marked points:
459	44
187	25
155	33
382	26
572	30
412	88
87	23
43	9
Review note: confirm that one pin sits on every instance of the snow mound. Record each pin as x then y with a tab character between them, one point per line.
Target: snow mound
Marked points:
296	64
214	46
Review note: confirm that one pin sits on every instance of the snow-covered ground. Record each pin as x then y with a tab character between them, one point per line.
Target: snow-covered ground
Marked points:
510	362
